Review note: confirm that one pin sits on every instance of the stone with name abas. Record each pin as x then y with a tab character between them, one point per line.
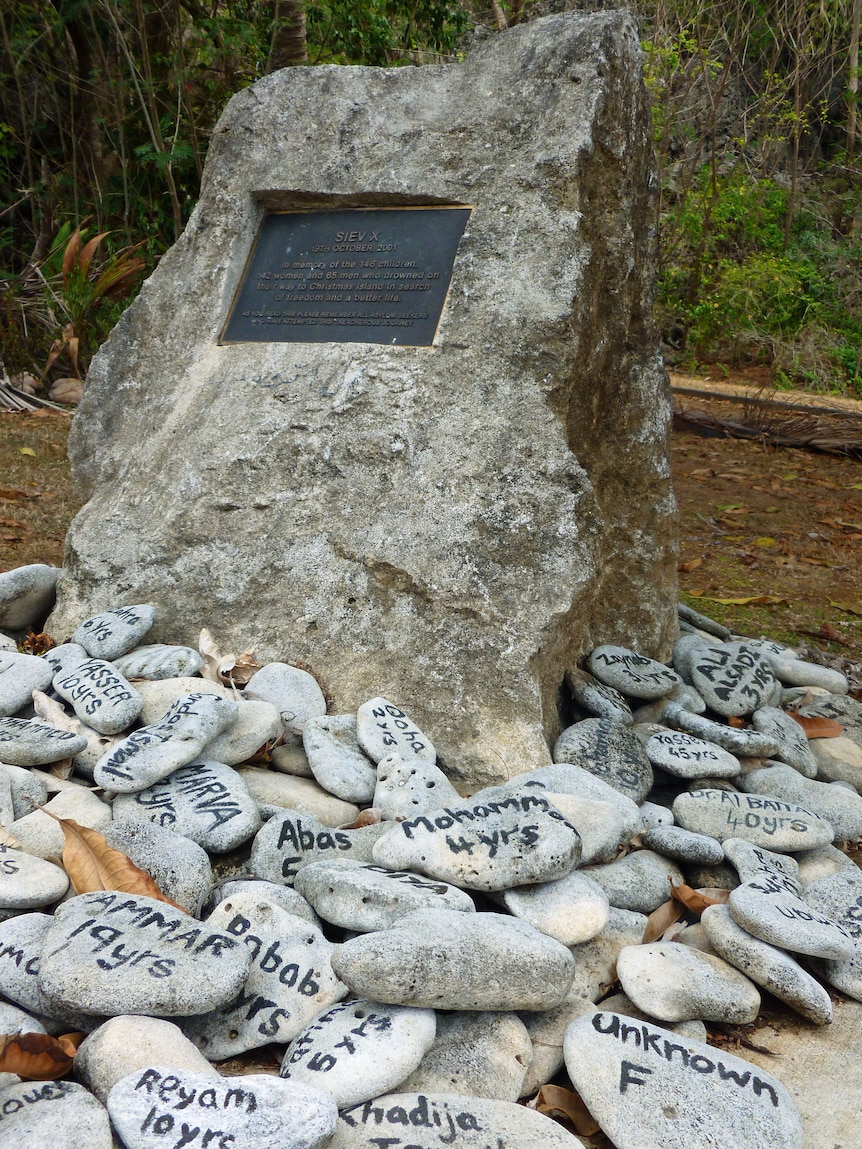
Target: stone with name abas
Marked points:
289	841
392	528
649	1088
158	1106
443	959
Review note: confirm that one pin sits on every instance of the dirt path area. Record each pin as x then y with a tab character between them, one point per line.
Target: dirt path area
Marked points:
758	522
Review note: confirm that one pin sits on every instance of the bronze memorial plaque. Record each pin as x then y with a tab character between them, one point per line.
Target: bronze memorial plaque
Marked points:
355	275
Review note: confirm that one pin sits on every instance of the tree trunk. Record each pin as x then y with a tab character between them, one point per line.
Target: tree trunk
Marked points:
853	77
288	46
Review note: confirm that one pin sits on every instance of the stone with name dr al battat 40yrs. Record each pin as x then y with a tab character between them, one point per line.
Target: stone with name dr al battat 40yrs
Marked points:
756	818
115	953
649	1088
515	841
161	1107
155	751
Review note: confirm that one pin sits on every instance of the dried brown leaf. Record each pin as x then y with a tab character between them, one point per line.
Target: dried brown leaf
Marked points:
88	251
661	919
94	865
818	727
369	817
698	900
7	839
34	1056
554	1101
70	255
691	565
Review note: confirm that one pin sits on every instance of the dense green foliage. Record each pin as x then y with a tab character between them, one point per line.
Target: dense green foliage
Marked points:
106	107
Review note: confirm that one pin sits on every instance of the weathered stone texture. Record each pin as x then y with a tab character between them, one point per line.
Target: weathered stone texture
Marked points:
449	526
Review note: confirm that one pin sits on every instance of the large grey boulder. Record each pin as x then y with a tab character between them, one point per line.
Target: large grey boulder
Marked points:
452	526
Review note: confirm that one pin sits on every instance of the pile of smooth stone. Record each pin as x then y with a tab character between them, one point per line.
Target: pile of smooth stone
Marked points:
423	960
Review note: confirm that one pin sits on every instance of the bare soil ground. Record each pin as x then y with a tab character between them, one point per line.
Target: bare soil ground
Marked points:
758	522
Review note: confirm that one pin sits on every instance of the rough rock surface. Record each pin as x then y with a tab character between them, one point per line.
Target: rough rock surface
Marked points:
450	527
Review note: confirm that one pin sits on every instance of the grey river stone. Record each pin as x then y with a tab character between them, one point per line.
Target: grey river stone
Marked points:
792	741
60	1114
27	882
767	904
475	1054
443	959
289	841
673	982
407	787
516	841
114	953
360	1049
294	693
602	826
732	678
26	789
179	867
684	846
205	801
25	742
336	759
115	632
840	896
275	792
838	760
649	1088
39	833
126	1044
797	672
631	673
285	896
767	965
158	661
756	818
100	695
840	807
160	695
609	750
160	1106
622	1003
640	881
573	909
364	897
256	723
64	657
597	699
290	979
685	756
26	595
20	675
383	728
741	743
432	1119
155	751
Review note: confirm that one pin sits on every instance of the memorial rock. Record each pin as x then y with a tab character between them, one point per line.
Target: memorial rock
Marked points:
448	514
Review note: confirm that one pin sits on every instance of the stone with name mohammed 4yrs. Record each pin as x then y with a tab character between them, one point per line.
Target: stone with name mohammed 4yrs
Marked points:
444	959
205	801
514	841
432	1120
115	953
756	818
165	1108
649	1088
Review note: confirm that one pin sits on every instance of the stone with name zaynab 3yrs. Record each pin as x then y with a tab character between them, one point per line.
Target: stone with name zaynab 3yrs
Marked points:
513	842
115	632
205	801
768	904
609	750
27	882
756	818
631	673
25	742
155	751
289	982
162	1108
56	1113
289	841
429	1120
685	756
360	1049
114	953
649	1088
99	695
443	959
363	897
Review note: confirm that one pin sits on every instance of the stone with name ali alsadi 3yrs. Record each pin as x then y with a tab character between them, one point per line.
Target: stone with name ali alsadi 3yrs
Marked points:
393	405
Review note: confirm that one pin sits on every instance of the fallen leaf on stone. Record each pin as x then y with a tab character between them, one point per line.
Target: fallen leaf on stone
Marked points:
225	668
736	722
691	565
244	667
554	1101
94	865
35	1056
661	919
818	727
698	900
369	817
